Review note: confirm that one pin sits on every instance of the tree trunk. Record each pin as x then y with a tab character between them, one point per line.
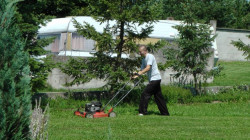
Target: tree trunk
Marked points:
196	84
119	48
120	45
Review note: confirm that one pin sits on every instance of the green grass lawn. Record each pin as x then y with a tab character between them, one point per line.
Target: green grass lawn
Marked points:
190	121
223	120
235	73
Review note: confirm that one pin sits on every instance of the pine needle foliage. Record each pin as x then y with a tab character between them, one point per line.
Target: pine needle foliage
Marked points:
243	47
191	51
116	39
15	100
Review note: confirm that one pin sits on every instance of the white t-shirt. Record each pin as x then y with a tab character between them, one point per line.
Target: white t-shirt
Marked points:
153	73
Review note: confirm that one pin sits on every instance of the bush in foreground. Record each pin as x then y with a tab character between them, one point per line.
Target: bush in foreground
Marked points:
15	103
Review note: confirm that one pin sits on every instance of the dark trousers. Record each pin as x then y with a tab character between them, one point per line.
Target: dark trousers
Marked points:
153	88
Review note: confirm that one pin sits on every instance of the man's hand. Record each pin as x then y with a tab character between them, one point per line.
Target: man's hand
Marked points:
135	75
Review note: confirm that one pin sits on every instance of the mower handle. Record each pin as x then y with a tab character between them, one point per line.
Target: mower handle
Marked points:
115	95
135	84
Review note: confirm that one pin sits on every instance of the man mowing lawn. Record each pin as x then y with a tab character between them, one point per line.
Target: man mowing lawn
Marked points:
149	65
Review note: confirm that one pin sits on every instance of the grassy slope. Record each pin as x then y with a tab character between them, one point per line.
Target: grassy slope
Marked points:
236	73
194	121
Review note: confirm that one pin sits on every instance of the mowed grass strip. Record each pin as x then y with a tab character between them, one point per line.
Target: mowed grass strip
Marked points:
235	73
194	121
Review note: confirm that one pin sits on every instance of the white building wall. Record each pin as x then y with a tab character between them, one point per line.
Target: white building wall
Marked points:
228	52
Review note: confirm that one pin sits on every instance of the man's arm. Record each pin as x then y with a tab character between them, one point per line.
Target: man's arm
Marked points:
144	70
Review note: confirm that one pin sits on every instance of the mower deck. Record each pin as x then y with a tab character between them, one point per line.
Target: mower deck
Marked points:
90	115
95	114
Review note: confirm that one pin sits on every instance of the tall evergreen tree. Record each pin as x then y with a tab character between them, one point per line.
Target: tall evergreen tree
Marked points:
119	38
15	100
190	56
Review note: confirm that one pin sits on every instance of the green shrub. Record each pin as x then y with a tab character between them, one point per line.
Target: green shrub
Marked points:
171	94
233	96
174	94
228	95
62	103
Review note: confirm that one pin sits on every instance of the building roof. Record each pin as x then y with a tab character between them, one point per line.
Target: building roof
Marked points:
163	29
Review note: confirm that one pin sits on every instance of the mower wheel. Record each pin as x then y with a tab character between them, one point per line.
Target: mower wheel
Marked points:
89	115
112	114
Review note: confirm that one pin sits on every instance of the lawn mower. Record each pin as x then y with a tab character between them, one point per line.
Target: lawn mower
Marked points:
94	109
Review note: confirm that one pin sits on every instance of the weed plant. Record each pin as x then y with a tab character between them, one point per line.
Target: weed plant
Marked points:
39	122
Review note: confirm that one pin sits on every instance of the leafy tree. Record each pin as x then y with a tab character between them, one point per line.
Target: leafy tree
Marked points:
14	77
190	54
61	8
243	47
171	8
240	10
228	13
116	38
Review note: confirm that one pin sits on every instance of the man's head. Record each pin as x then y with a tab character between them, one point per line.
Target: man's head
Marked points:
143	51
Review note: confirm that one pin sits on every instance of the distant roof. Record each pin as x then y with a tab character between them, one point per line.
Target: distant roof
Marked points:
162	28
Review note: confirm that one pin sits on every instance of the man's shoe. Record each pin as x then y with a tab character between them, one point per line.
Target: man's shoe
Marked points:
140	114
